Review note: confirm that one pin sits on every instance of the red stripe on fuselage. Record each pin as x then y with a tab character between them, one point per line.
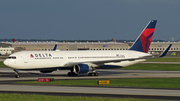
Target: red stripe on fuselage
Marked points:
144	36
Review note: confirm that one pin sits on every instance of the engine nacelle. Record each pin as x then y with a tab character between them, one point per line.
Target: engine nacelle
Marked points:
81	68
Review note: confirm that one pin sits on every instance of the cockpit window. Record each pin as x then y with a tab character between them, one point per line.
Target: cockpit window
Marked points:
11	57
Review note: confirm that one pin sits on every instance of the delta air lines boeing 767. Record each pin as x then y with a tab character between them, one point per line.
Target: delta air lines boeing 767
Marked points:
83	61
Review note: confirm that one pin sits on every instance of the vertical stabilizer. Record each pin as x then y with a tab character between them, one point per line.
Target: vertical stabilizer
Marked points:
143	42
55	46
14	40
165	51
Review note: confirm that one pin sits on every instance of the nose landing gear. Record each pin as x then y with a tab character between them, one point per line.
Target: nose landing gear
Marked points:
16	73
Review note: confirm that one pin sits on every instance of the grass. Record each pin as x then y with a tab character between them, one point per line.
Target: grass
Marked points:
4	57
2	65
130	82
172	67
164	60
33	97
171	56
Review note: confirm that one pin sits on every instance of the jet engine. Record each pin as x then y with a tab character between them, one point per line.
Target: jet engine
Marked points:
81	68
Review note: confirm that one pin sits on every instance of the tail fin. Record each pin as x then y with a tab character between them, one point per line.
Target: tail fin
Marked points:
14	40
143	42
55	46
165	51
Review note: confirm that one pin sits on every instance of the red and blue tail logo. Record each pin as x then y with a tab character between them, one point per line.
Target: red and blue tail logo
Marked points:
14	40
143	42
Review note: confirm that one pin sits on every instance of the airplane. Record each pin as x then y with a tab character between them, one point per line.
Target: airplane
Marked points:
14	40
165	51
55	47
84	61
128	63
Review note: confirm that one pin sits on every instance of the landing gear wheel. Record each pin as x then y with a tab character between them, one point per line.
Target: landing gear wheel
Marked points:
72	74
16	76
93	74
89	74
96	73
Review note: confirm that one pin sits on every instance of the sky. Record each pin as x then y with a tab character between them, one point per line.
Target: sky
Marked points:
88	19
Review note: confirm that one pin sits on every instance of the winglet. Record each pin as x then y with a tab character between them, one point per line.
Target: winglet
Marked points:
165	51
143	42
55	46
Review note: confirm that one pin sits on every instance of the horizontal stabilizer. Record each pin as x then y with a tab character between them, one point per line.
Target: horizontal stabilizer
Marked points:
55	46
165	51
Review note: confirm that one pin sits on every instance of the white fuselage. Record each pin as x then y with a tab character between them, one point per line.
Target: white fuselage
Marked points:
50	59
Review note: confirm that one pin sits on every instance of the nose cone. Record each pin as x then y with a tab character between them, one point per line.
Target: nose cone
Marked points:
8	63
5	62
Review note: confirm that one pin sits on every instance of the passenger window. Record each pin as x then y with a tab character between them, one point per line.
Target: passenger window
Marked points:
12	57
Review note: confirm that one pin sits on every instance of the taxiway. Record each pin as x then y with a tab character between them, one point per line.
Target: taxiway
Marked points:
7	85
8	74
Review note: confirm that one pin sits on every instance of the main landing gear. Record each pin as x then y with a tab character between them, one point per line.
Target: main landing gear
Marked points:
72	74
89	74
93	73
16	73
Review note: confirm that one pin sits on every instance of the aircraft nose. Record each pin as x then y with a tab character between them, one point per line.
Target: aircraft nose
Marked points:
6	62
10	63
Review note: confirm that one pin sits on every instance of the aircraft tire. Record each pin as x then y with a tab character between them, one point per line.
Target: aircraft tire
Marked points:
16	76
90	74
96	74
72	74
93	74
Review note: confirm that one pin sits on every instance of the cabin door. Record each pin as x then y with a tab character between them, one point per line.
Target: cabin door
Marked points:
25	59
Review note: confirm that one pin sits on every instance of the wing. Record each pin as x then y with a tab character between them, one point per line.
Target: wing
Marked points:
101	62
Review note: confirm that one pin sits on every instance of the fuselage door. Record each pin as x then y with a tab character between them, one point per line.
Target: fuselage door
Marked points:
25	59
